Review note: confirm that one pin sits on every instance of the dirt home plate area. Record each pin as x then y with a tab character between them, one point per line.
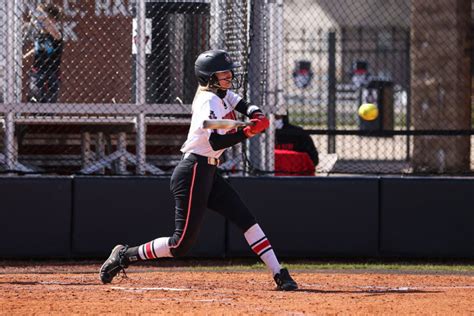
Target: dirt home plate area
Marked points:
63	289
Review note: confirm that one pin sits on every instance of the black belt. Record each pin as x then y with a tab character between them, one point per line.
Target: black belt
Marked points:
202	159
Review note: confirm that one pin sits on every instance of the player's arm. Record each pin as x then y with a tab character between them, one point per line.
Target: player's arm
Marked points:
260	121
260	124
241	105
247	109
218	141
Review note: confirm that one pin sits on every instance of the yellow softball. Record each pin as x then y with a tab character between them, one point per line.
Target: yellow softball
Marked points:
368	111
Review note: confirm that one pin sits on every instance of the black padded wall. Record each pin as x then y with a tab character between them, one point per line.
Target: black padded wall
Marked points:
427	217
35	217
311	217
64	217
112	210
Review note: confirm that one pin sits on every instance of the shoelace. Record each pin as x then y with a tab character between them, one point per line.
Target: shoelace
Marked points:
122	272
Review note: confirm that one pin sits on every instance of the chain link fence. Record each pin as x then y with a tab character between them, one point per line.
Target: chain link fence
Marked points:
112	93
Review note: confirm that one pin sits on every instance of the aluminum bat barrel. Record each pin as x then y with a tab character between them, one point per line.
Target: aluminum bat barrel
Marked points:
224	124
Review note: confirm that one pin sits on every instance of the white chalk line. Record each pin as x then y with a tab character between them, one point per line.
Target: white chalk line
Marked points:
398	288
55	283
417	288
145	289
211	300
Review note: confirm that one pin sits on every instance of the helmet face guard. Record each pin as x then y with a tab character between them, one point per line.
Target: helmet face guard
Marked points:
236	81
211	62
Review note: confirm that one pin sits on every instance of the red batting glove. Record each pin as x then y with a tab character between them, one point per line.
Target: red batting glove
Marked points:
263	122
249	130
260	123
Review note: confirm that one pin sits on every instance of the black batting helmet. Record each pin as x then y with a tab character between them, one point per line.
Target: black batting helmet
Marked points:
210	62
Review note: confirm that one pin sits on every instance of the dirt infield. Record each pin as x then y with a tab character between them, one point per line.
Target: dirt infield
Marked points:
75	289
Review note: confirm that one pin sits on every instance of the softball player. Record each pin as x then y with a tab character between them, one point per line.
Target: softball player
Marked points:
195	183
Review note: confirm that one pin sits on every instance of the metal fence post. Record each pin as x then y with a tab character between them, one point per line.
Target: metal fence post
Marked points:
122	147
10	141
13	62
332	91
141	143
141	86
217	24
100	149
86	149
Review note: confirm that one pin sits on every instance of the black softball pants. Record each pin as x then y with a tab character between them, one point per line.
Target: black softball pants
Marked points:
197	186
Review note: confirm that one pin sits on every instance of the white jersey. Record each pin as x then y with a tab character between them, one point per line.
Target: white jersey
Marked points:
207	105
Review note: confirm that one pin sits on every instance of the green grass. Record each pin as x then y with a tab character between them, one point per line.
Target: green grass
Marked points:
394	265
385	267
413	267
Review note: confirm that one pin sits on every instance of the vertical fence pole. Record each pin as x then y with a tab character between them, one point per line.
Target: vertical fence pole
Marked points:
275	76
257	83
141	86
13	76
10	141
13	52
217	24
100	149
86	149
408	87
332	91
140	144
122	147
9	53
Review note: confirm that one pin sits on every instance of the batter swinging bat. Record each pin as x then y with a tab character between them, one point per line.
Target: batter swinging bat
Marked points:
224	124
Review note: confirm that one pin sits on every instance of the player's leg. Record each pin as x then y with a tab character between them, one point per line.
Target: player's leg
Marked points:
225	200
191	183
191	191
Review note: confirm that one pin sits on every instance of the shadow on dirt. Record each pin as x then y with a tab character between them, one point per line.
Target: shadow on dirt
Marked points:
49	283
368	291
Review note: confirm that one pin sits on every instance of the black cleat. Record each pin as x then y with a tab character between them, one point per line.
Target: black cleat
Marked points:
114	264
284	281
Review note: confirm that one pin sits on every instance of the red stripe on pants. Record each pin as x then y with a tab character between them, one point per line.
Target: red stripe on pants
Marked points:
189	206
